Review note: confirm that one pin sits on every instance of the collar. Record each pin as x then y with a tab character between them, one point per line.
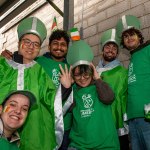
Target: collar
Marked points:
111	64
140	47
15	136
102	68
16	65
48	55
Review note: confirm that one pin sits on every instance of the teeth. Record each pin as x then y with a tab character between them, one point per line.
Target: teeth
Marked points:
14	117
29	52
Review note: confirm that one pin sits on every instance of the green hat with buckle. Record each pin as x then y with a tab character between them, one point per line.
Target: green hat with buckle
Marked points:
32	25
109	36
127	22
79	53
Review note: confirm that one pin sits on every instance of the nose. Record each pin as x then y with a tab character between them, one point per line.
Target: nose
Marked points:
59	46
82	77
109	50
31	45
17	110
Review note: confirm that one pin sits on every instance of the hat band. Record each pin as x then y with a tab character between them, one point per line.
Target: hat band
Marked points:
124	22
113	34
125	25
31	32
34	23
81	62
110	40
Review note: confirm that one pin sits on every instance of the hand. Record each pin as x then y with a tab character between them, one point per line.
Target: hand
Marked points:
7	54
65	76
95	73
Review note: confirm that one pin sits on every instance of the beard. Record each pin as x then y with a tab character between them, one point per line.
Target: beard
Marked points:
58	57
109	59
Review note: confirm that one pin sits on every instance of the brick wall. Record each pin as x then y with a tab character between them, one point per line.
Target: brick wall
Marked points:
98	16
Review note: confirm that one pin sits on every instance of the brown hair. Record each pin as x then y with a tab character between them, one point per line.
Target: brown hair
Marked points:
130	32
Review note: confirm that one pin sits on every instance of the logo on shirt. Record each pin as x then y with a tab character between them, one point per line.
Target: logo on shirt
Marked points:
87	100
131	76
55	77
88	103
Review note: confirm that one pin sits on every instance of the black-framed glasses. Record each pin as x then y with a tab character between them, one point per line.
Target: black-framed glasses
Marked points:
79	76
28	43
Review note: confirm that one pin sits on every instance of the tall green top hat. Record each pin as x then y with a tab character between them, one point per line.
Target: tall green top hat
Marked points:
127	22
79	53
32	25
109	36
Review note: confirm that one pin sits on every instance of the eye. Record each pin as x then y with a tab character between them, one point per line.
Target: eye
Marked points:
132	34
107	46
25	109
114	49
37	45
86	74
125	36
27	41
63	44
13	104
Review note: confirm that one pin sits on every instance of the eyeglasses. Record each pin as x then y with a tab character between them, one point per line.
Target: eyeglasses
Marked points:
28	43
79	76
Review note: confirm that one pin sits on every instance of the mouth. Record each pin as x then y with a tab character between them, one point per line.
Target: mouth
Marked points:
131	41
83	81
29	52
14	117
110	54
59	51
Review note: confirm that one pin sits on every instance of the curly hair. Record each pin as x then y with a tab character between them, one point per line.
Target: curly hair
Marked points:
58	34
132	31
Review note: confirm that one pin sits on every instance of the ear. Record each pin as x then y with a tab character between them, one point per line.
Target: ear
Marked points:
49	47
19	44
1	109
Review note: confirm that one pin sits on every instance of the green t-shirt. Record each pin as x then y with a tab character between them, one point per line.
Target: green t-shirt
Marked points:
138	82
6	145
93	126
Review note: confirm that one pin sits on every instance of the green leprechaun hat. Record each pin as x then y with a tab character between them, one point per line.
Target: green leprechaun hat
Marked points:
32	25
79	53
127	22
109	36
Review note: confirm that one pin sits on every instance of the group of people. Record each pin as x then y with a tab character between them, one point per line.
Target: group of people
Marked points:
62	101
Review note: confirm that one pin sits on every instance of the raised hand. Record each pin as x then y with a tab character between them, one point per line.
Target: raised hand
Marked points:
7	54
95	73
65	76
